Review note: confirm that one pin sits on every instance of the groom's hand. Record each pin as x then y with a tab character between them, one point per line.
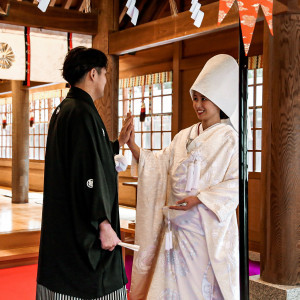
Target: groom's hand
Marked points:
126	130
108	237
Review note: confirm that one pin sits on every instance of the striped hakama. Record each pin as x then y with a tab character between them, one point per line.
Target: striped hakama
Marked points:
42	293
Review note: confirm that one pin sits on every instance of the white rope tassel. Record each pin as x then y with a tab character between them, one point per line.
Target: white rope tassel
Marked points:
190	177
169	241
196	177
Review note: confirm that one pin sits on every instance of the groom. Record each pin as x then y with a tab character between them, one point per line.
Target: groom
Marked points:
79	257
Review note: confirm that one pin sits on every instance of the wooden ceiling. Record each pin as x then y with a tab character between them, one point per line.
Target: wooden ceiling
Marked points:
149	10
65	4
63	15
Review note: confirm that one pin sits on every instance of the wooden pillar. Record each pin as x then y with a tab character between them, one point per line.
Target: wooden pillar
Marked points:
107	106
20	142
280	247
177	56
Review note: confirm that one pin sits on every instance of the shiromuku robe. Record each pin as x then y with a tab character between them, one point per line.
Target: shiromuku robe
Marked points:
202	262
80	191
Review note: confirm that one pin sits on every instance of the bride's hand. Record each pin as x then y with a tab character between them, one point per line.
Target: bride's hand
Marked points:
134	148
186	203
131	137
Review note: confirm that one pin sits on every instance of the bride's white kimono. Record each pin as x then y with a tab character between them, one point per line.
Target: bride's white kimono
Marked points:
201	261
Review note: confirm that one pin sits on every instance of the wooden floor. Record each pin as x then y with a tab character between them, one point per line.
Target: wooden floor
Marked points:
20	227
19	217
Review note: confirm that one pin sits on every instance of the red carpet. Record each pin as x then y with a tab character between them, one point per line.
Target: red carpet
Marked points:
128	268
19	283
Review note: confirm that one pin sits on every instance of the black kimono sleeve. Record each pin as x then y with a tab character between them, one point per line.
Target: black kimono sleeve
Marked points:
115	147
92	184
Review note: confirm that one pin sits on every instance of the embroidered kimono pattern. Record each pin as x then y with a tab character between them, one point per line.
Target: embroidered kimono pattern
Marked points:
200	259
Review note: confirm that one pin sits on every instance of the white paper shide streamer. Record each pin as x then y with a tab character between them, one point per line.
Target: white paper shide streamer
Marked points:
43	5
132	11
197	14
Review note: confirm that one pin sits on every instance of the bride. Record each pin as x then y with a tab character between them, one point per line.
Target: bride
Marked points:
187	197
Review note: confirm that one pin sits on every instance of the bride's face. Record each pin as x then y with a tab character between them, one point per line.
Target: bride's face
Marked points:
204	108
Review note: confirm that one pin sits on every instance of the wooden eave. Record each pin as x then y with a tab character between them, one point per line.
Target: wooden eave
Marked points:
67	20
171	29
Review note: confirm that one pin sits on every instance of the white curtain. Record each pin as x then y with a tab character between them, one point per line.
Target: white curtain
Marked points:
82	40
12	39
48	50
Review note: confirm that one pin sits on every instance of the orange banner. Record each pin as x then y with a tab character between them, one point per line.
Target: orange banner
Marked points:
248	10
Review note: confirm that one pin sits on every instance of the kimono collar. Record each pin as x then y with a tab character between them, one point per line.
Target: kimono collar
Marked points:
78	93
194	138
197	129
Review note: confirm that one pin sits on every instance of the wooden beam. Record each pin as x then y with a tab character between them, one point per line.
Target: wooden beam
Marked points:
177	75
4	6
169	30
180	5
124	22
143	70
141	5
161	10
52	3
107	106
173	8
5	87
151	8
66	4
81	6
123	13
27	14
